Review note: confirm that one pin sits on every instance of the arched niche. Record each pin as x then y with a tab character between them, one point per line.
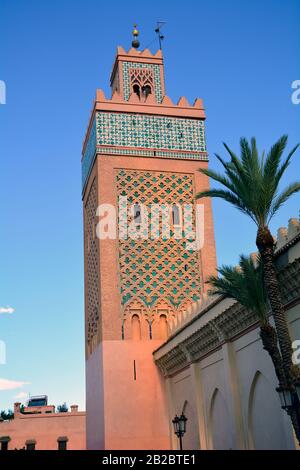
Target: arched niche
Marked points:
265	417
136	328
134	323
220	431
161	315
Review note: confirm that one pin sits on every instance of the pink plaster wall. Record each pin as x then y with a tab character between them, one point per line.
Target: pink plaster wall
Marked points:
135	412
45	429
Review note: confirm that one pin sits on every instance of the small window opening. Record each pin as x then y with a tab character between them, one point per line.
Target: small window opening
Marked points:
4	444
175	215
62	443
30	445
136	90
146	90
137	213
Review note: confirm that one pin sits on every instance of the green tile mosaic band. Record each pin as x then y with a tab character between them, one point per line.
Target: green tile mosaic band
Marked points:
168	135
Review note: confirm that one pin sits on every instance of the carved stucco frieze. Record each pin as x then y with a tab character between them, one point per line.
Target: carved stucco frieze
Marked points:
224	327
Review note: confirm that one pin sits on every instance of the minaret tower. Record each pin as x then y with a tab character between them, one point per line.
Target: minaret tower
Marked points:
140	150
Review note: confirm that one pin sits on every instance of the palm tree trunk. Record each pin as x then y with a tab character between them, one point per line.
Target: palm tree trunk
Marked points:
265	245
269	339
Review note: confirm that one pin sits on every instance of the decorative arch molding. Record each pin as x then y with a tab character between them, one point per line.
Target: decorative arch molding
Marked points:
155	320
210	416
249	422
161	316
134	322
141	81
265	414
220	433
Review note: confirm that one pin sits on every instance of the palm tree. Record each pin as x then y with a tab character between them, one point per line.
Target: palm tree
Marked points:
251	184
245	285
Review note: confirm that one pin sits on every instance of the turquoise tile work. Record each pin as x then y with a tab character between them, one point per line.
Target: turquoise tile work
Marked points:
147	135
153	268
159	132
156	76
89	154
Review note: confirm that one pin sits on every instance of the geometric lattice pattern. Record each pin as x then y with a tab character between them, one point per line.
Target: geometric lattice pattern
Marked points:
155	73
156	269
150	131
141	77
92	269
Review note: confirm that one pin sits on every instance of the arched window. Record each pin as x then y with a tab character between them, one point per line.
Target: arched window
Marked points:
136	328
136	89
176	214
163	327
146	90
137	213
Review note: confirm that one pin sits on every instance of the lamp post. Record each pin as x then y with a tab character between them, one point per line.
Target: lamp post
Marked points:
290	402
179	423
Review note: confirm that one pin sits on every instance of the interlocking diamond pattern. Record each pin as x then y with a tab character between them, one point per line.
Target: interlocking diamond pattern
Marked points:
92	268
152	270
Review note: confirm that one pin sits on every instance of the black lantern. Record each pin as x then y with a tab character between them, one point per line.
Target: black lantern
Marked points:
297	387
290	401
179	423
286	398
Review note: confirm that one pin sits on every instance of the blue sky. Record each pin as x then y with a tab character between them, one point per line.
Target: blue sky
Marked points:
239	56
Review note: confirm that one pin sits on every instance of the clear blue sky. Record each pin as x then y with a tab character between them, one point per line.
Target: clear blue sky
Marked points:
239	56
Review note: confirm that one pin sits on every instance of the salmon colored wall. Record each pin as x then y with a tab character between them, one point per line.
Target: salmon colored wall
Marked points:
135	412
45	429
95	400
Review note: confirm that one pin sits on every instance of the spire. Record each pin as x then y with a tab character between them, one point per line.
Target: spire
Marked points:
135	43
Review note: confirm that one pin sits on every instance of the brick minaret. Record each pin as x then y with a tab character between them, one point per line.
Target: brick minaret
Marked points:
142	146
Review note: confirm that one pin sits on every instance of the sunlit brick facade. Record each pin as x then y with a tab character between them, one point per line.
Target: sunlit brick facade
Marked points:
141	147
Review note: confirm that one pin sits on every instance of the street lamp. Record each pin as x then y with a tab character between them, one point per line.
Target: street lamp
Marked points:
285	396
179	423
297	387
290	401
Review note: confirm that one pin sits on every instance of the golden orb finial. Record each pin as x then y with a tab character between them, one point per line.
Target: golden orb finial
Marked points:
135	31
135	43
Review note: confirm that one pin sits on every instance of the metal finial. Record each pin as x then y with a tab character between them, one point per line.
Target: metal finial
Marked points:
160	25
135	43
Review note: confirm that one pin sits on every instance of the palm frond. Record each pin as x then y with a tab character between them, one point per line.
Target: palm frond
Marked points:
273	161
244	285
285	164
227	196
283	197
219	178
251	182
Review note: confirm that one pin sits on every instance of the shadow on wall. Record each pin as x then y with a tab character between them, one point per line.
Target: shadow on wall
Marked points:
266	428
220	432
